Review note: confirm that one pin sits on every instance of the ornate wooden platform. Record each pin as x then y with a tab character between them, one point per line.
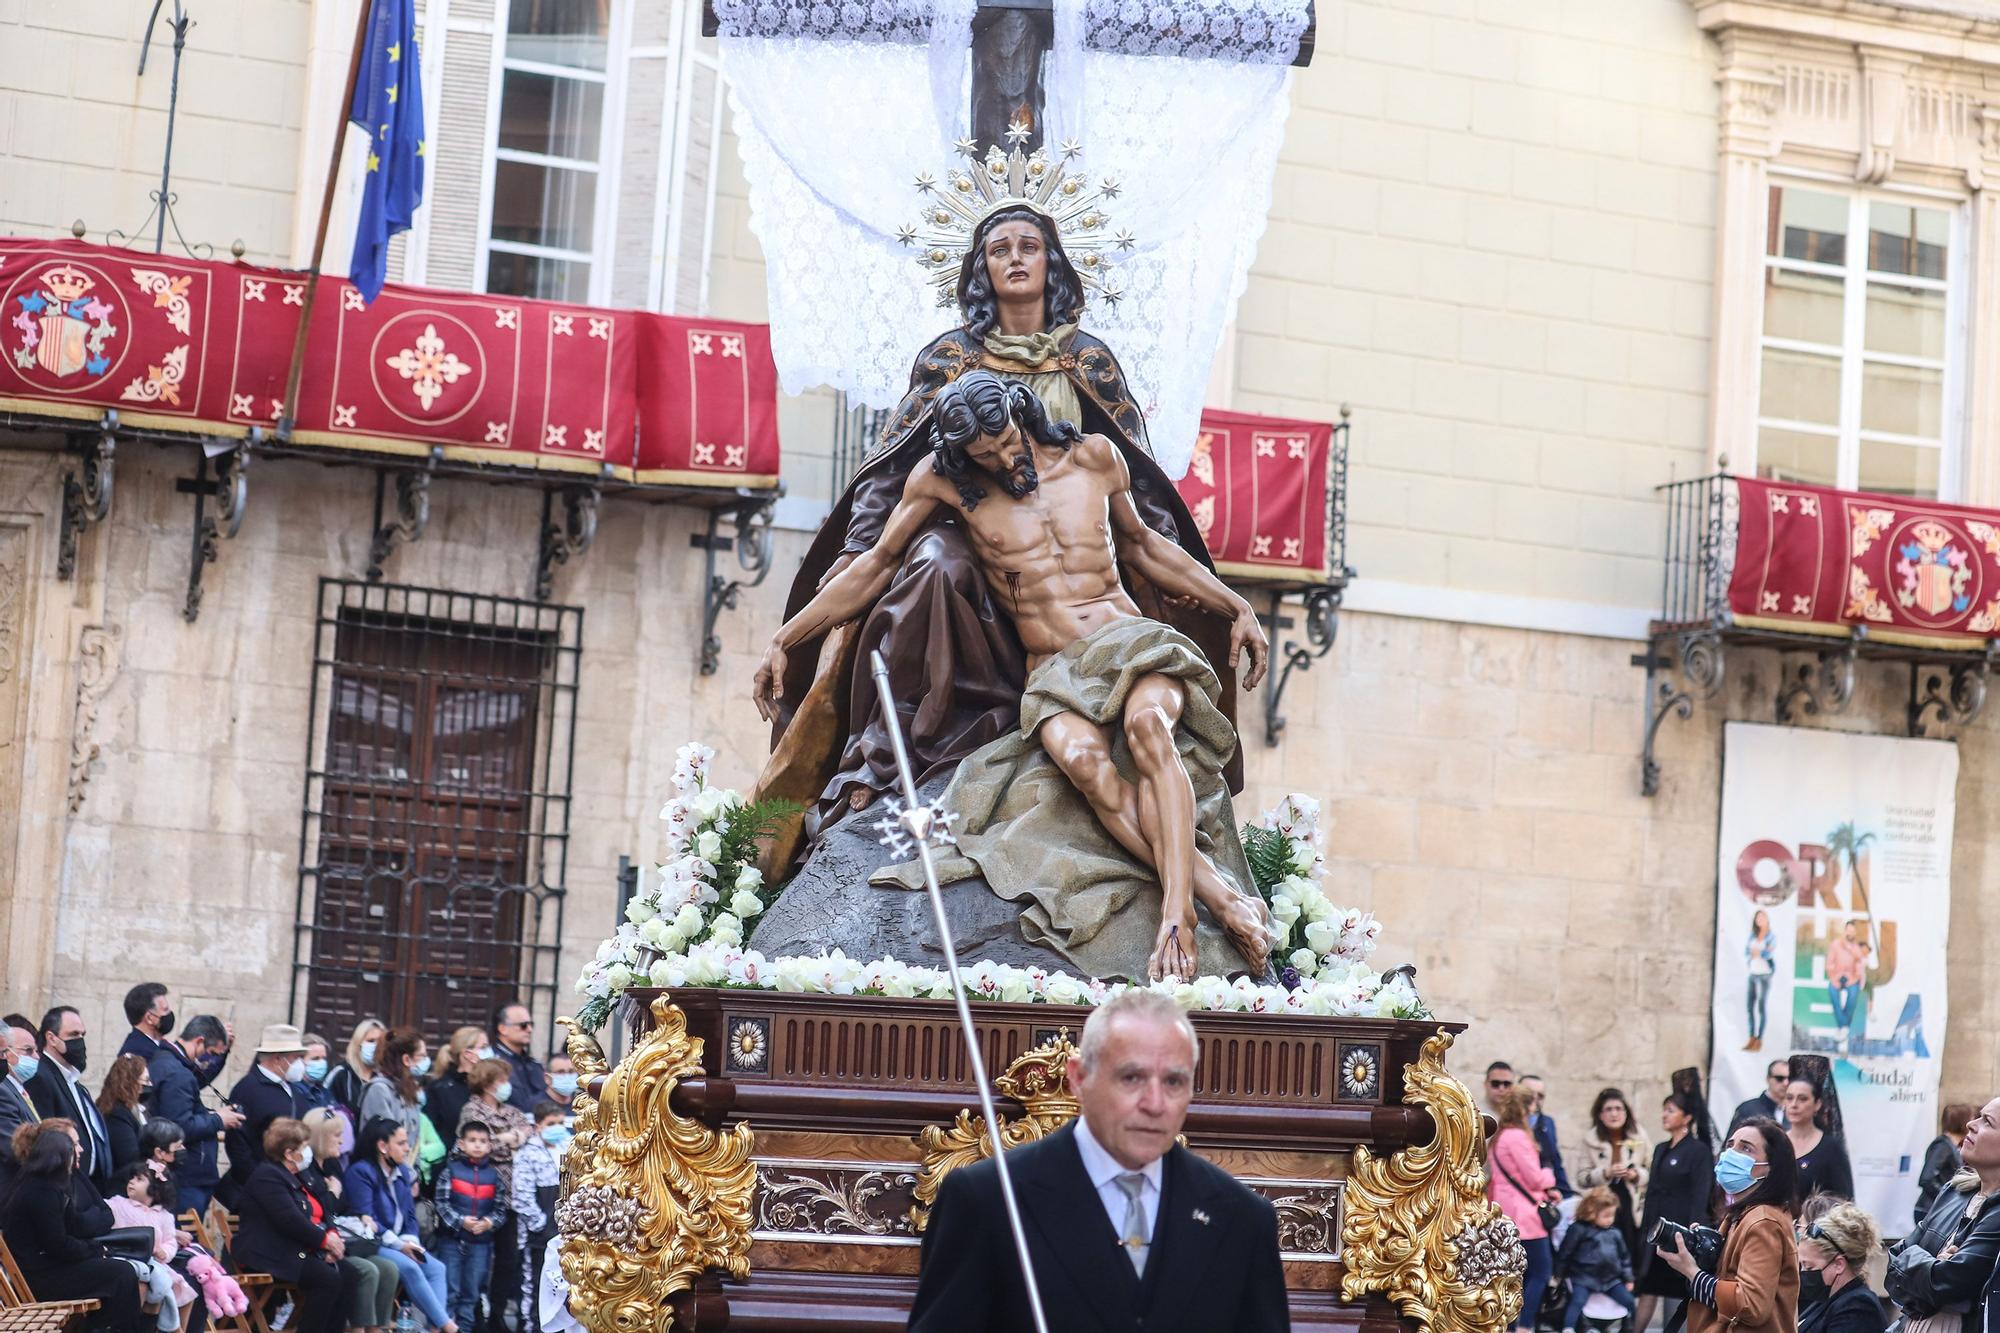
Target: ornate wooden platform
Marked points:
764	1160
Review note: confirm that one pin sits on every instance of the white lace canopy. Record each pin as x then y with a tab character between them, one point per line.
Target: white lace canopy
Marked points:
840	104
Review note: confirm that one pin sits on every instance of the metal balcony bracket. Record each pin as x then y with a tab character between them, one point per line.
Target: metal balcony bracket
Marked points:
1940	710
219	477
568	538
751	517
1322	627
413	512
86	498
1680	669
1821	687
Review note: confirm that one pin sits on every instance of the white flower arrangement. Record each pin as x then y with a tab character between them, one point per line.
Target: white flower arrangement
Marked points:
689	928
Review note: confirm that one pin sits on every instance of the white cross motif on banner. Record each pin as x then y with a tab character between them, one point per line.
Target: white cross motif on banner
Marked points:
556	438
593	440
240	405
1292	548
343	418
736	455
496	432
1809	505
295	294
351	299
1260	546
1267	448
1297	448
600	328
704	455
565	325
1780	504
253	290
701	344
277	408
1801	605
732	345
1767	601
507	317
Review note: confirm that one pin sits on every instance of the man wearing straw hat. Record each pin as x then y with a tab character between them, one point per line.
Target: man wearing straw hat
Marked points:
274	1087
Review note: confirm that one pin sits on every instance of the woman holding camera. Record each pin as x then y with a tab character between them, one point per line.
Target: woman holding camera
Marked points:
1755	1285
1834	1296
1521	1185
1682	1180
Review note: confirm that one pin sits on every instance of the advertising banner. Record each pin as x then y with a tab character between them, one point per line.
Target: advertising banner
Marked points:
1833	906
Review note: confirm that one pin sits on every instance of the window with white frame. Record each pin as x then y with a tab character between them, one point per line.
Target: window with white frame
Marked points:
550	149
1861	341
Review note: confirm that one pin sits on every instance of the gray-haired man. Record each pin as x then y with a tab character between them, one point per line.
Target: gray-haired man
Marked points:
1127	1230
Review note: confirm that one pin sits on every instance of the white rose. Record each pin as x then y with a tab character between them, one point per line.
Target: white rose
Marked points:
1322	936
1305	961
749	877
708	844
705	968
673	939
1284	911
1015	986
621	976
1065	989
725	929
667	972
655	932
745	903
688	920
640	910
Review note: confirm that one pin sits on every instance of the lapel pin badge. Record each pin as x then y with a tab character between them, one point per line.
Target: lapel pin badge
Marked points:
1201	1217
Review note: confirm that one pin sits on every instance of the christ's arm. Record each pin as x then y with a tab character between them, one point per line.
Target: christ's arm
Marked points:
1171	569
854	589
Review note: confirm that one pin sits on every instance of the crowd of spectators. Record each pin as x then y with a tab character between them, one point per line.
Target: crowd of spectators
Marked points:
1795	1250
371	1183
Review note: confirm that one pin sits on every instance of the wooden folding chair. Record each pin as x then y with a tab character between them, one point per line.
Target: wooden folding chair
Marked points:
20	1312
261	1288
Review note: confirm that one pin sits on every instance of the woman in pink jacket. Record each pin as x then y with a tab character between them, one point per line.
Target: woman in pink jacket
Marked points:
1517	1181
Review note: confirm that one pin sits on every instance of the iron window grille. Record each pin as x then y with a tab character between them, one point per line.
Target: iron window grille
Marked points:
434	842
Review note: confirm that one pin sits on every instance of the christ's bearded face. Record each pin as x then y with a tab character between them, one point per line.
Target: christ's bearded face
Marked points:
1006	458
1017	261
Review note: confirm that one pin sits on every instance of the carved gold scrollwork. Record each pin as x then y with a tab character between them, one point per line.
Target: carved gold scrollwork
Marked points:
1419	1227
650	1199
1039	1080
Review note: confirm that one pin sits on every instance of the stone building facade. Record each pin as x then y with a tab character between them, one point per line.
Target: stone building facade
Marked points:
1525	240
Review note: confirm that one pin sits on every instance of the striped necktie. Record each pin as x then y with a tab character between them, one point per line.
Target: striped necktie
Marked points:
1133	1234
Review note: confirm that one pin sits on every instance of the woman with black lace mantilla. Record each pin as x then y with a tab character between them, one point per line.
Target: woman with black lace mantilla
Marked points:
954	661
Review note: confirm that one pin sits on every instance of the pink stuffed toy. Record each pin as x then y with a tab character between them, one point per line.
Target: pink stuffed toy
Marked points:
223	1295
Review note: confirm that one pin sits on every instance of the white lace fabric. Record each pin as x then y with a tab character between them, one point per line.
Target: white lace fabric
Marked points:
840	104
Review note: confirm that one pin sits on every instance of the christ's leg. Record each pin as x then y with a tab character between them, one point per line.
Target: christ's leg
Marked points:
1166	814
1083	751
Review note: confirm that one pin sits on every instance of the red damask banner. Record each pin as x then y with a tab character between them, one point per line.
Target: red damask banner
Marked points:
1910	570
1257	489
205	347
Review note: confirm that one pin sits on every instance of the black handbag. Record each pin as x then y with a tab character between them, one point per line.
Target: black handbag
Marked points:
1550	1214
135	1243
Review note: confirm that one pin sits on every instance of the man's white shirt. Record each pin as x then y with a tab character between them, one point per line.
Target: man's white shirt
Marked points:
1104	1170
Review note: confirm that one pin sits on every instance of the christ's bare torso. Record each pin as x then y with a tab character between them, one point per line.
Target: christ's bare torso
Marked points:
1050	557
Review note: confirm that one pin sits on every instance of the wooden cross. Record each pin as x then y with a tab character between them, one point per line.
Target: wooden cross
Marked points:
1011	40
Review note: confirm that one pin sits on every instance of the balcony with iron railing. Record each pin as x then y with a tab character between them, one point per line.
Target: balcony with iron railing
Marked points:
1830	579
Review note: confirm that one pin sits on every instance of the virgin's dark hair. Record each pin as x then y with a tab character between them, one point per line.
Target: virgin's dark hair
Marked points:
978	403
1780	1186
1062	295
1604	1099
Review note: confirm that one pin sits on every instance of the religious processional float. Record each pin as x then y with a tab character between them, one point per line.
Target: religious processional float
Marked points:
967	746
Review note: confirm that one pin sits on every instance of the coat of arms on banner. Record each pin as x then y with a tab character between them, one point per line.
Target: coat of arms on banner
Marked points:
1932	571
62	324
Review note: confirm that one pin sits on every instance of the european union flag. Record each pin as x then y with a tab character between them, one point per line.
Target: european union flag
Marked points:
389	105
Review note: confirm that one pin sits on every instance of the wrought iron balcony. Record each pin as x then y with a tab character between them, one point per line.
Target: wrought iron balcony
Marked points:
1836	577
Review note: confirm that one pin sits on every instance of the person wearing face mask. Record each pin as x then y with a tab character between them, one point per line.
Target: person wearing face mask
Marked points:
348	1082
151	1014
1755	1285
177	1096
122	1102
446	1095
284	1230
22	1063
401	1062
313	1091
492	1083
537	1179
563	1081
1942	1267
1833	1291
380	1187
273	1088
58	1091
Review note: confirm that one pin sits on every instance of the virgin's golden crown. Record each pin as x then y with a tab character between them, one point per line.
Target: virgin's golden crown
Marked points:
1011	179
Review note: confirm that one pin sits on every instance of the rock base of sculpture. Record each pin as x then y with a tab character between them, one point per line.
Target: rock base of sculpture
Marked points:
858	1105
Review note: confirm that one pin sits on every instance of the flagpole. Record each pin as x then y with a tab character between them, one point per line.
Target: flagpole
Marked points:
297	370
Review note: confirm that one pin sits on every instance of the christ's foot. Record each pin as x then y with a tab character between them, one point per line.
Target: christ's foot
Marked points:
1174	949
1246	919
860	798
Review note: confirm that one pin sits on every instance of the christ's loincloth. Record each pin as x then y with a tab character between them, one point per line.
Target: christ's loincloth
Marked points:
1025	828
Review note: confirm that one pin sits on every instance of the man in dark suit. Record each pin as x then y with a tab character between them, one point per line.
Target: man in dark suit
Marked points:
1127	1230
1767	1104
177	1086
151	1015
58	1090
275	1086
